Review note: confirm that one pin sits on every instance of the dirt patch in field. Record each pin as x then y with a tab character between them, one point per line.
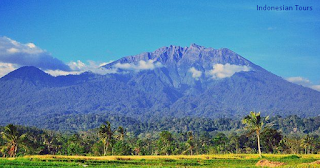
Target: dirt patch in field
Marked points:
267	163
315	162
121	158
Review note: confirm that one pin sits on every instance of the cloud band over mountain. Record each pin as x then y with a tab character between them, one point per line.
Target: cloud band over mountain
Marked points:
13	52
223	71
195	73
303	82
141	65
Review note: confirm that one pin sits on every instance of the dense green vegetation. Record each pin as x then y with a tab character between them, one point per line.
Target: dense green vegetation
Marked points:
187	136
74	123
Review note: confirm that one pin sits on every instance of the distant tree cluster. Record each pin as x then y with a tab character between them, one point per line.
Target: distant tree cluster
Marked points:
110	140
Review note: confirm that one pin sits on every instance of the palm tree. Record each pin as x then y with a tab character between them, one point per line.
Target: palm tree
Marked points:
307	142
122	132
254	123
13	139
190	142
106	133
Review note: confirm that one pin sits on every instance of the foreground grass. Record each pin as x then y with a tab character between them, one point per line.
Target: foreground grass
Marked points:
227	160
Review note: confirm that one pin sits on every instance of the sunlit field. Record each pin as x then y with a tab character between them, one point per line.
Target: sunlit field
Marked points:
223	160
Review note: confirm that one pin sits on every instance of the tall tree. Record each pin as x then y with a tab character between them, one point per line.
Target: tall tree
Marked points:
106	133
190	142
165	142
121	132
234	143
270	139
255	123
307	143
219	141
205	142
13	139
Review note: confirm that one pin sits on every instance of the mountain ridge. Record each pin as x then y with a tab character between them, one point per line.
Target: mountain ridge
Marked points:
156	84
176	53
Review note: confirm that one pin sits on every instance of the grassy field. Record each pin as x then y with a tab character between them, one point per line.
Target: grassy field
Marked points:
228	160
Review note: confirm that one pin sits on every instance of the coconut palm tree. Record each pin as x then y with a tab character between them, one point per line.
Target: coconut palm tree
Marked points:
13	139
190	142
255	123
106	133
307	142
122	132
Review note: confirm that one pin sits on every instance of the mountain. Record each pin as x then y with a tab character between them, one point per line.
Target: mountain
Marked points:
177	61
172	81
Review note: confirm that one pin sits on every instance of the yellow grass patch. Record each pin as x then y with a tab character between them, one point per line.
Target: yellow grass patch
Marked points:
176	157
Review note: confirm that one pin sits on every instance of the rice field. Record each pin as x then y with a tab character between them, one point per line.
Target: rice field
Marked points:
222	160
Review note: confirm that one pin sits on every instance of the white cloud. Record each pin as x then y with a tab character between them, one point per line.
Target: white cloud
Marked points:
299	80
19	54
31	45
304	82
13	46
12	50
141	65
195	73
5	68
224	71
124	66
105	63
28	54
78	67
315	87
62	73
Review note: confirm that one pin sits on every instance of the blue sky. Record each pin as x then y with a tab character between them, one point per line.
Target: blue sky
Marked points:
286	43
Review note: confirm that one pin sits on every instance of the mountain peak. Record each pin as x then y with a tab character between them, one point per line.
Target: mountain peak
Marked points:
194	55
28	73
194	45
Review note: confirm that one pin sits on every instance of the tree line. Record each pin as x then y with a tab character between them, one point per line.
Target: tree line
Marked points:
256	135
